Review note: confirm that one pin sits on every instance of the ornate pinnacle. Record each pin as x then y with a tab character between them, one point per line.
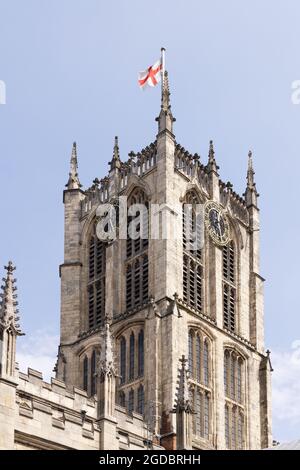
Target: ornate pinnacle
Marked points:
250	172
251	193
73	182
8	307
182	400
106	364
115	162
212	164
165	118
165	94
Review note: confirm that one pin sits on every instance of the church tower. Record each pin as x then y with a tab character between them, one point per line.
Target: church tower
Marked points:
165	300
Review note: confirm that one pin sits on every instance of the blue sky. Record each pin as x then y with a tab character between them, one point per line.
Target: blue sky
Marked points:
70	69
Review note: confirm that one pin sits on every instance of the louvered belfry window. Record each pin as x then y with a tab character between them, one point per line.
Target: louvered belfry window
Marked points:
192	255
229	287
137	282
96	281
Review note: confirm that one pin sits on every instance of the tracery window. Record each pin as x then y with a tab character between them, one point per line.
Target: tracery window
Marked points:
131	357
123	359
85	373
141	353
234	366
200	360
131	401
192	254
131	366
93	373
137	251
89	379
140	404
122	401
96	280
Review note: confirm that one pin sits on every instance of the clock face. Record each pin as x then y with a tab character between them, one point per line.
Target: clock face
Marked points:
216	223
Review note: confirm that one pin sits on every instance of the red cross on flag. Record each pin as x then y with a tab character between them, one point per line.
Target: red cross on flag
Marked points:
151	76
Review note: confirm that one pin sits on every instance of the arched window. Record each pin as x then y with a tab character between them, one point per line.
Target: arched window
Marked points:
85	373
93	373
234	399
137	223
229	287
131	366
205	362
198	358
140	404
122	400
137	287
200	382
141	353
227	440
123	359
96	280
191	355
131	401
192	257
131	357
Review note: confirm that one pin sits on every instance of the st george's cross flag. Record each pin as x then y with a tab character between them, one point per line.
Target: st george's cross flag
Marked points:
151	76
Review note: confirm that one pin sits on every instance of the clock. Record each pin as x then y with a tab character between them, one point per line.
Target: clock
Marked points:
216	223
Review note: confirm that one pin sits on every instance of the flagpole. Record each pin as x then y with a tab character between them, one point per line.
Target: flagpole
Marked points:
163	66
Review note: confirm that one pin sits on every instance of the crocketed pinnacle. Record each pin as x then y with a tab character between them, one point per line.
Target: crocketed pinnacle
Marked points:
165	118
250	172
251	193
212	164
73	182
106	361
182	400
8	307
115	162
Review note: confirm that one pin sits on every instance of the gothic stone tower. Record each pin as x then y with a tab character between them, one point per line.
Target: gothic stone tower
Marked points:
165	302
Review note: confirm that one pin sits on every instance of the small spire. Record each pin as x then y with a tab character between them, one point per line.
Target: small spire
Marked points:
106	361
115	162
165	93
250	172
212	164
73	182
165	118
182	400
251	193
8	307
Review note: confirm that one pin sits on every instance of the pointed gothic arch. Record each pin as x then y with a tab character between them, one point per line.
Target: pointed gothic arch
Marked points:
201	381
137	270
96	278
193	256
235	400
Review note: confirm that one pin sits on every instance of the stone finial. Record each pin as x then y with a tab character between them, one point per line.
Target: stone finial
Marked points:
212	164
116	161
182	400
106	364
73	182
8	307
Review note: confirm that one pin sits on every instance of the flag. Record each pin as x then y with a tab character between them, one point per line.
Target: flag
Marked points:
151	76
